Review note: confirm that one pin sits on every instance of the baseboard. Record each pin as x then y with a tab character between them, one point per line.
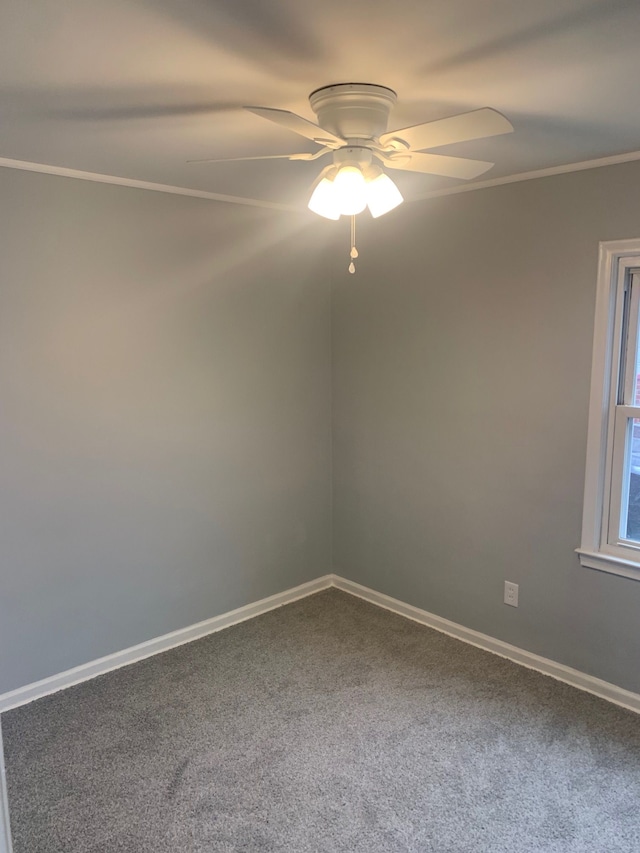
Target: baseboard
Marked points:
574	677
588	683
85	671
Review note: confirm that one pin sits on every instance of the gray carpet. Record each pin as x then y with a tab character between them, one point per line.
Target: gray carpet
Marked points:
327	725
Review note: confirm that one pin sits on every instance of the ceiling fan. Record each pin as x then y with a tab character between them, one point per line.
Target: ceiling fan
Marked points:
352	126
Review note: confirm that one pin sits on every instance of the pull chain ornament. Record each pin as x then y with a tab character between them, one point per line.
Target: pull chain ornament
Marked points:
353	254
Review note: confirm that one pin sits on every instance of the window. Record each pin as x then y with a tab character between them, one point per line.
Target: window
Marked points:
611	520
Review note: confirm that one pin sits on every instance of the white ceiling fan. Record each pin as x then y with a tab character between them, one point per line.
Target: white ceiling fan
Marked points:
352	125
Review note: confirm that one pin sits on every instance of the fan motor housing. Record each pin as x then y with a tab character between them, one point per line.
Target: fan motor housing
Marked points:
353	110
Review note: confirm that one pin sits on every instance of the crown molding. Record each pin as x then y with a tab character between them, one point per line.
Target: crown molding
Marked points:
96	177
614	160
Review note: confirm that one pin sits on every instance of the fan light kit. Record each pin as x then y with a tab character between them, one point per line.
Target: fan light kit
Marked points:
352	184
352	127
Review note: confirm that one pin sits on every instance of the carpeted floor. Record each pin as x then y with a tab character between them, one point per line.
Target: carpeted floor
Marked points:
327	725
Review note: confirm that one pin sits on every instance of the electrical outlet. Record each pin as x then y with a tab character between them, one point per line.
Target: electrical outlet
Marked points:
511	593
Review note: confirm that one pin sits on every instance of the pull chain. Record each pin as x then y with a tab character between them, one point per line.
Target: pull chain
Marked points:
353	254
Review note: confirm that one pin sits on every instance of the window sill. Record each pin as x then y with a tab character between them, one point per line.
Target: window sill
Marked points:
609	563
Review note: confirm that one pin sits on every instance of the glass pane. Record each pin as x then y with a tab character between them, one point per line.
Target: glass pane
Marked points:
631	486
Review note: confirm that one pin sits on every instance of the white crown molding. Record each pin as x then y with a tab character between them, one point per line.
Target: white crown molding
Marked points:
96	177
574	677
65	172
86	671
614	160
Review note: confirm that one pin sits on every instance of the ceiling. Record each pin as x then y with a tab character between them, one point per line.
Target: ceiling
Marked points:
135	88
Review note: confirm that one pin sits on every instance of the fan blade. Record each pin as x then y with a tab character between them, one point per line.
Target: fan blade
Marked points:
258	157
305	155
446	131
438	164
300	125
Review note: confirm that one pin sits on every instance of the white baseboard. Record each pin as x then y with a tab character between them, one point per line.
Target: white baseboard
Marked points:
588	683
574	677
85	671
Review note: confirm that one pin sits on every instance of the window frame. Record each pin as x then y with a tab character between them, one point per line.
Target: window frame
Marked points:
619	263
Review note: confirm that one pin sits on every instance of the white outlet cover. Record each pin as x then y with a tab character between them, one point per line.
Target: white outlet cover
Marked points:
511	593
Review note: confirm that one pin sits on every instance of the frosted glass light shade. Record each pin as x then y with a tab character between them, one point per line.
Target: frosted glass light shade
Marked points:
350	190
323	200
382	195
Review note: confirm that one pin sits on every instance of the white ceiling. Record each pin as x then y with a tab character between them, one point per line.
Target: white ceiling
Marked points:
135	88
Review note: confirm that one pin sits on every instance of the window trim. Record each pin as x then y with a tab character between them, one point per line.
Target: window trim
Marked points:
617	259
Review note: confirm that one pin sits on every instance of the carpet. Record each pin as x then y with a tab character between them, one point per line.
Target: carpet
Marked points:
326	725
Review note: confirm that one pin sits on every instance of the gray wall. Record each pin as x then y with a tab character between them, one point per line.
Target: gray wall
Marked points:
165	415
462	358
165	411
